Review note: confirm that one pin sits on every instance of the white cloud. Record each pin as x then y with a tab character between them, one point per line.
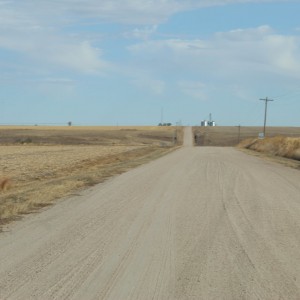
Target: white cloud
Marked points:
60	81
121	11
170	46
268	51
36	29
284	52
193	89
233	54
41	40
154	85
80	56
241	92
139	11
143	12
51	51
141	33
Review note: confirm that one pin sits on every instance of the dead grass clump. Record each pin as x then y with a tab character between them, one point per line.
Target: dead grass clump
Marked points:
5	184
247	143
280	146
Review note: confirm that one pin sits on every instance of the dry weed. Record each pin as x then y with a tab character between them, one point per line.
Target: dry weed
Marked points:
279	146
5	184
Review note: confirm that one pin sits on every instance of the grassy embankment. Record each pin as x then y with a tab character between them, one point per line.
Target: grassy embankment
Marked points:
288	147
281	145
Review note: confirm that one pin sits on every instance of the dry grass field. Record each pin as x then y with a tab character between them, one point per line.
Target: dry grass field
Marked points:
98	135
47	163
229	136
285	150
282	144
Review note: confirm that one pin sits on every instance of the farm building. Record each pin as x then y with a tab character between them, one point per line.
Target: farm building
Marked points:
208	123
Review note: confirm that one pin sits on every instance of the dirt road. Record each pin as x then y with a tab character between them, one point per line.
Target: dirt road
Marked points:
199	223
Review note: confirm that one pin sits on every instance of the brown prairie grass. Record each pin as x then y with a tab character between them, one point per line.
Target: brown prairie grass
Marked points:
288	147
42	184
231	135
5	184
58	162
83	135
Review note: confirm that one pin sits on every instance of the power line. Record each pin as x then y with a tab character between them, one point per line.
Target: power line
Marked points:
288	94
266	108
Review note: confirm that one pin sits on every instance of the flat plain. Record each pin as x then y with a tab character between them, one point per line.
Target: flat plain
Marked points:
48	163
232	135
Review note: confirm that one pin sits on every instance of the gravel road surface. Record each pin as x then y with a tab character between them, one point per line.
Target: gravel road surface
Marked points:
199	223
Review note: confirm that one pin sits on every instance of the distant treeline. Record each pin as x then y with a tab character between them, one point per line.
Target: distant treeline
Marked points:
165	124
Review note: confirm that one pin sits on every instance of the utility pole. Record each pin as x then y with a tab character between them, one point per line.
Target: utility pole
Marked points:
266	108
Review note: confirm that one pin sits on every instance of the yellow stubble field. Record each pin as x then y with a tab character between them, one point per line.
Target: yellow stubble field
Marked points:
45	164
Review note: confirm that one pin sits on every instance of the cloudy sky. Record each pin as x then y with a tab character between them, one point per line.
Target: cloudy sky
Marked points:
133	62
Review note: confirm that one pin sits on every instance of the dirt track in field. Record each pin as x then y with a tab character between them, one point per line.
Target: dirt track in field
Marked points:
199	223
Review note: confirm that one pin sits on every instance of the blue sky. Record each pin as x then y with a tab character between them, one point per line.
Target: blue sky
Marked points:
109	62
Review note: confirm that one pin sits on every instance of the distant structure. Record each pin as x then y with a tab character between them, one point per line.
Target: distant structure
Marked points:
165	124
208	123
204	123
